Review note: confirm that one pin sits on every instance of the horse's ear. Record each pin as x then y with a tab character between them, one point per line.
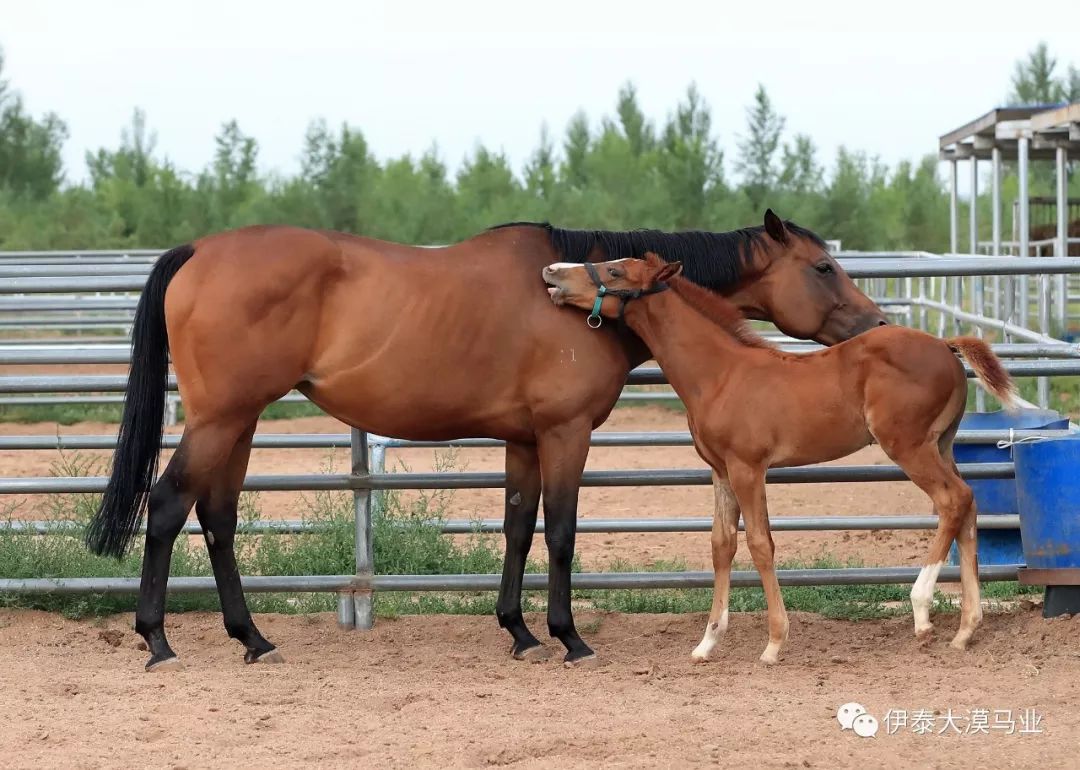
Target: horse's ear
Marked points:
774	226
668	271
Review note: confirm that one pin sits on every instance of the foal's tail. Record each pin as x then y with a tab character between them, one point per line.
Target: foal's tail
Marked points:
987	368
135	460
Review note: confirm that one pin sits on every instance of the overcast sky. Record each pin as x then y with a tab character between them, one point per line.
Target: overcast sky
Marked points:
886	78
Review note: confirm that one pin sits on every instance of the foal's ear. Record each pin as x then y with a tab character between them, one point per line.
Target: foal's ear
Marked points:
774	226
669	270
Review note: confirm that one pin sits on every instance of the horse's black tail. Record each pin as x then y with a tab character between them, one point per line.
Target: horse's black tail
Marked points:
135	460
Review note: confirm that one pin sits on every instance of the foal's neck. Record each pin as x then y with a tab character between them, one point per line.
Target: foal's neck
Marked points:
693	350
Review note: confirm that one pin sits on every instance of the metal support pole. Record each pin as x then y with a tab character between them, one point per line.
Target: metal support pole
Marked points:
1061	282
952	285
362	605
1002	305
1024	234
973	237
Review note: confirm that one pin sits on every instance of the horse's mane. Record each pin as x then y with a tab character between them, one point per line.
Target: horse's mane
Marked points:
720	311
713	260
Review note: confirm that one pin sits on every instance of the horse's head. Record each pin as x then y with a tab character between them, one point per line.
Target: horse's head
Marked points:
798	286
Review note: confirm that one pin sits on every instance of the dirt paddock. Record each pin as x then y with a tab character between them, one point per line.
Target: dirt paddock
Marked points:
443	692
440	691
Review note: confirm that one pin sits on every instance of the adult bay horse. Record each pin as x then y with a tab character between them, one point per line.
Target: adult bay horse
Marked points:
391	339
752	407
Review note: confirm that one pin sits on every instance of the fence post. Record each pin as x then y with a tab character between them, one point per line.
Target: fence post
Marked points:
363	616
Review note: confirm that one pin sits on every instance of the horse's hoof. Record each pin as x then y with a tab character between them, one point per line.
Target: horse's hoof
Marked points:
588	661
769	660
165	664
959	644
696	657
270	656
924	636
536	654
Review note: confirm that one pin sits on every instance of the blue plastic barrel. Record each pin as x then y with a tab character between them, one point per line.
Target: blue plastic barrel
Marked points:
998	496
1048	487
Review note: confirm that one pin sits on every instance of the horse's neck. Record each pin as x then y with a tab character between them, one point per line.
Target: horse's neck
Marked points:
691	349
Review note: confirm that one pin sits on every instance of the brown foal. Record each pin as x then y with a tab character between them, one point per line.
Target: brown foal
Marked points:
751	406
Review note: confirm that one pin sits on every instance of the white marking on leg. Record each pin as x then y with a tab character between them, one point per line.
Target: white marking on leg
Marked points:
714	632
922	595
209	537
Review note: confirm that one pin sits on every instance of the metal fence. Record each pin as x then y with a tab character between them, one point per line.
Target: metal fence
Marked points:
93	291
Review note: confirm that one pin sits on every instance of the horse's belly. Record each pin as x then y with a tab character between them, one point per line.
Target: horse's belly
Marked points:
417	408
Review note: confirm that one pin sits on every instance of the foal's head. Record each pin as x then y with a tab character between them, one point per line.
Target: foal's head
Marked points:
605	287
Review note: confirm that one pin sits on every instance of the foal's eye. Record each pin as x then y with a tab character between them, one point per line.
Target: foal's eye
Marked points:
615	273
824	268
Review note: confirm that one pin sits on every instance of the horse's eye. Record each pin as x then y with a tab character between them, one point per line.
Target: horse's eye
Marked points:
823	267
614	273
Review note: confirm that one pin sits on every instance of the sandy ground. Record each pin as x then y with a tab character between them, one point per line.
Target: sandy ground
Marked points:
442	692
597	550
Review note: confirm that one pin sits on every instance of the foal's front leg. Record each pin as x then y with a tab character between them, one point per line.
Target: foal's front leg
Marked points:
748	483
725	531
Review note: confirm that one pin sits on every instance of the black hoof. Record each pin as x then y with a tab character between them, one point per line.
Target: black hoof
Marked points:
264	656
581	661
532	653
163	663
579	654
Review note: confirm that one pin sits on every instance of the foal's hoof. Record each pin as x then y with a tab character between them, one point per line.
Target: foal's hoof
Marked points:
924	636
769	659
270	656
960	643
165	664
587	661
536	654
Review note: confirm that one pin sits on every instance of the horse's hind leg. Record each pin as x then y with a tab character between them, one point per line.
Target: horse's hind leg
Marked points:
953	501
202	452
522	502
725	540
966	543
217	512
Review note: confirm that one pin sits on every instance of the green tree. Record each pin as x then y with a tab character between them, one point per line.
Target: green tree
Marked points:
691	163
757	150
1034	81
30	150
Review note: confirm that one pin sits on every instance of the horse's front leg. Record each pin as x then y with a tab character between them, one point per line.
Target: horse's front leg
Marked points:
725	531
563	451
522	501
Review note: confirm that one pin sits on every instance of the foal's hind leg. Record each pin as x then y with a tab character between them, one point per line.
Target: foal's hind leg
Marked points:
966	543
725	540
202	451
748	483
952	498
217	515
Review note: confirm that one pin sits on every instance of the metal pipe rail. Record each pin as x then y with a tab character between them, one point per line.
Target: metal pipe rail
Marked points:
106	383
64	353
990	323
855	267
584	526
658	477
341	440
532	581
